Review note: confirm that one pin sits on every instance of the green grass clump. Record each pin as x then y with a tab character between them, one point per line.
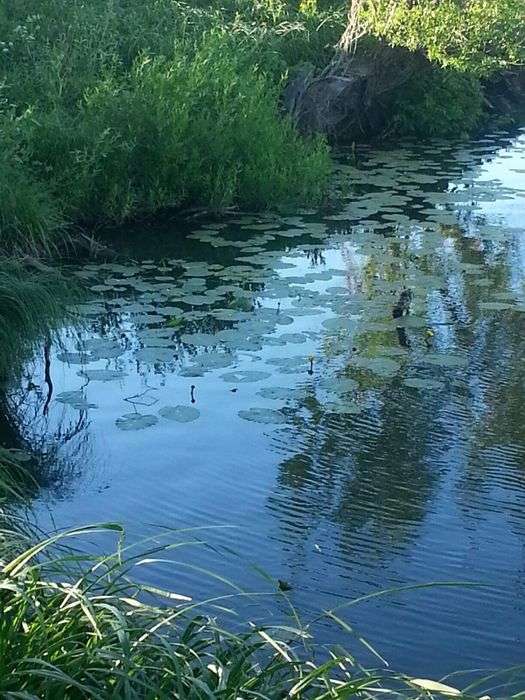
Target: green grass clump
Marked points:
79	626
437	103
112	110
31	299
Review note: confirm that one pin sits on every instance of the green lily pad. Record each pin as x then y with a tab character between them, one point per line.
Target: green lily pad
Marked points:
136	421
245	376
75	399
278	393
495	305
204	339
75	358
153	355
180	414
382	366
263	415
420	383
102	375
445	360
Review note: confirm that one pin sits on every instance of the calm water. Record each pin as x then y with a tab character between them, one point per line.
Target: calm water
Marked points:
351	449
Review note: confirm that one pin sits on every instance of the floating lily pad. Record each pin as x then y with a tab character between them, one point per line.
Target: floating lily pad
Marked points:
383	366
192	371
341	408
74	358
75	399
102	375
263	415
199	339
339	385
292	338
339	323
181	414
279	393
495	306
155	354
445	360
136	421
214	360
245	376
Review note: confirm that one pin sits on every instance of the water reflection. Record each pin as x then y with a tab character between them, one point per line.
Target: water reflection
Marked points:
358	378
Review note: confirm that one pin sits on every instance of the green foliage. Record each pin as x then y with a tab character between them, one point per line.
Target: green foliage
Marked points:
477	36
437	103
112	109
76	626
30	300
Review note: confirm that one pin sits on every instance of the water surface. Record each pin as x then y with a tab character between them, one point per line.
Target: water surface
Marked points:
351	448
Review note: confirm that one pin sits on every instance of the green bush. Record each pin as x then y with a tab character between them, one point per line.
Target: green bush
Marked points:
475	36
438	102
118	109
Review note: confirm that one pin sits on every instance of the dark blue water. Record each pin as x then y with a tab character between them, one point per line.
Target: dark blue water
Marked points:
357	414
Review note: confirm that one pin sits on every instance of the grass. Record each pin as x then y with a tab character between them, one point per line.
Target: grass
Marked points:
79	626
31	299
113	110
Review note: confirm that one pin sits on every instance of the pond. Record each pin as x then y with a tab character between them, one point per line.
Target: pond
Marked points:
339	394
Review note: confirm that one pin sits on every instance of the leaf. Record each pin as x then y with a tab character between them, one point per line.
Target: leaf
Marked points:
181	414
435	687
136	421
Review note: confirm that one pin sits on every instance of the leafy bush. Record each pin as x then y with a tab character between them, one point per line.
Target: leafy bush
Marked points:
438	102
476	36
114	109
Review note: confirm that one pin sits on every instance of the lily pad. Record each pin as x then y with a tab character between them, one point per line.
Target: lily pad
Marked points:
495	305
136	421
279	393
75	399
245	376
449	360
198	339
180	414
102	375
420	383
74	358
263	415
154	354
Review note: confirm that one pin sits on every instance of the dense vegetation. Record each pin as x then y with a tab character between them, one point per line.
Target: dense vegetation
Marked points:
109	110
471	36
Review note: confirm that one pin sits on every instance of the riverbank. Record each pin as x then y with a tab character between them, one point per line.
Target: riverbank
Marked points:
177	105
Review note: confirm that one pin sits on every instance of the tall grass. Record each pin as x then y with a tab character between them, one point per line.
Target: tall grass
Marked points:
79	626
30	301
113	109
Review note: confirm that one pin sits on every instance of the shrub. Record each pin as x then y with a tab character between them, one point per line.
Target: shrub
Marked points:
437	102
114	109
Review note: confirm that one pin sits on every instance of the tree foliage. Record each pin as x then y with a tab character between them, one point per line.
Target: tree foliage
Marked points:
475	36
